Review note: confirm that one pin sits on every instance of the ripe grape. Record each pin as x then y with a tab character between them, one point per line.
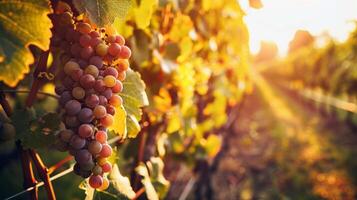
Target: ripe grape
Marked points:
96	61
122	76
85	40
77	142
110	109
85	130
107	93
76	74
103	101
111	71
66	135
72	107
71	121
116	100
118	87
120	40
97	170
95	147
95	181
114	49
111	38
83	156
125	52
106	167
87	81
94	34
78	93
92	101
122	65
101	49
85	115
88	166
99	86
101	136
107	120
106	151
70	66
99	112
105	184
84	28
86	52
65	97
92	70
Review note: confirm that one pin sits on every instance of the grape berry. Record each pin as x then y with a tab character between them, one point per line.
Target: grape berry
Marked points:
94	66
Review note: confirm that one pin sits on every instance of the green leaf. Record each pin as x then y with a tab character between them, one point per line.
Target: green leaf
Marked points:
103	12
121	183
134	97
156	168
22	22
149	188
35	132
88	190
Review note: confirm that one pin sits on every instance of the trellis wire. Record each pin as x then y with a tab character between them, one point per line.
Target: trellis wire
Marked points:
59	175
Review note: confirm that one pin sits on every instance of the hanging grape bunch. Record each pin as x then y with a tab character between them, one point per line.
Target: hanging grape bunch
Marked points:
88	83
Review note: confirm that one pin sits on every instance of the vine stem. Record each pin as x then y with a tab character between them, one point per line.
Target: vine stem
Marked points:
27	171
139	193
44	174
59	164
37	83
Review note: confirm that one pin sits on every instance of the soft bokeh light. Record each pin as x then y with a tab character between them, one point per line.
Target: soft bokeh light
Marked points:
278	20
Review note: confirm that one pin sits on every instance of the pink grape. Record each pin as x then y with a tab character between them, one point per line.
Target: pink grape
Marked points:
94	147
96	61
125	52
87	81
107	120
114	49
107	167
85	130
87	52
99	86
111	71
103	101
101	136
120	40
99	112
85	40
92	100
106	151
118	87
95	181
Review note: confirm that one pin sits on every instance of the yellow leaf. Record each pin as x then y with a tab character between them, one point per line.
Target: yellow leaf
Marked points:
119	125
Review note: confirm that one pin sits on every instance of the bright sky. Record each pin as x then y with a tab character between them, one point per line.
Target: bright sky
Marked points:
278	20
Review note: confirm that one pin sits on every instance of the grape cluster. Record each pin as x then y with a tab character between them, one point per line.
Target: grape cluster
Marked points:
88	83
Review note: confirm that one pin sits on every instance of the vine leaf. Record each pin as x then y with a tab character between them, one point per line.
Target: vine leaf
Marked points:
103	12
134	97
149	188
119	127
121	183
22	22
35	132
